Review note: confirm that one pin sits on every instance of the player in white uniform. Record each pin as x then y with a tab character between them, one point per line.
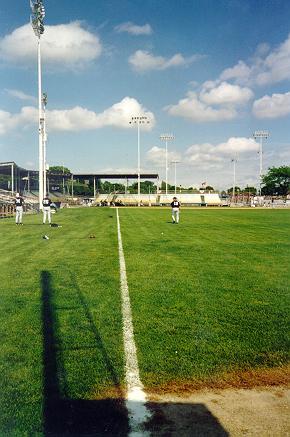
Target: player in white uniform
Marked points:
175	205
46	209
19	209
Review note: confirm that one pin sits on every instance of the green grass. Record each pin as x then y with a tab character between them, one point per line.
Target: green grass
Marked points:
209	296
79	295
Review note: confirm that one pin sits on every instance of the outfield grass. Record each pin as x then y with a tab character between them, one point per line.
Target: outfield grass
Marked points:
209	296
70	281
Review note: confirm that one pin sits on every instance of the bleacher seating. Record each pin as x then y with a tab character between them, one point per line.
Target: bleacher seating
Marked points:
197	199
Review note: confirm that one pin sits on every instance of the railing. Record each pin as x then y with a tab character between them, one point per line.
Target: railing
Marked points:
7	211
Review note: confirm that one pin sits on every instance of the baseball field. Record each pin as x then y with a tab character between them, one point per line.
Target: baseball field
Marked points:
209	300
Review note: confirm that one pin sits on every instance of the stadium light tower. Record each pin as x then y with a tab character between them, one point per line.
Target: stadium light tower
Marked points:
175	162
166	138
234	161
36	18
44	140
261	134
139	120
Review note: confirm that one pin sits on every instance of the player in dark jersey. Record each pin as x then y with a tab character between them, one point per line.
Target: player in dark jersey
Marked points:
18	202
175	205
46	209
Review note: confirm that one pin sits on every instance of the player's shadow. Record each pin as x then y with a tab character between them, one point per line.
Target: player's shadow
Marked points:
63	416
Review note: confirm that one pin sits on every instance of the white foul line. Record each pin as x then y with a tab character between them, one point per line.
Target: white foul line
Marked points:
136	397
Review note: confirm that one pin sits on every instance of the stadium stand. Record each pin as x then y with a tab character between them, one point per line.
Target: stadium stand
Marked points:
212	199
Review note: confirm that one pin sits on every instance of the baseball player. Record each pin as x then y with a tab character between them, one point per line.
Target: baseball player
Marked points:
18	202
175	205
46	209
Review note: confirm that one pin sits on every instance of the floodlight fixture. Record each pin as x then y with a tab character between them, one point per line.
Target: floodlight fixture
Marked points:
166	138
37	17
261	134
139	120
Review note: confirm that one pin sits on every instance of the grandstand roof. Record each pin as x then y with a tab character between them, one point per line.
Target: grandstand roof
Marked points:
116	175
5	168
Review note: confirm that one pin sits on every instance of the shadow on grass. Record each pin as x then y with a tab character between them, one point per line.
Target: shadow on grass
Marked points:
107	417
73	416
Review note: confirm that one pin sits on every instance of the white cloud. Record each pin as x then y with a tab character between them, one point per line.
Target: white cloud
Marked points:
277	105
78	118
65	45
157	156
9	122
240	71
202	154
265	68
237	145
134	29
144	61
210	155
194	109
20	95
276	66
226	93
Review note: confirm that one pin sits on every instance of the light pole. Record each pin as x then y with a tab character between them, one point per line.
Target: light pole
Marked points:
166	138
234	161
139	120
175	162
37	17
261	134
44	139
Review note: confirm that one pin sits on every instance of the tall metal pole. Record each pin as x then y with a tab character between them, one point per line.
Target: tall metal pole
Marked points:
139	163
63	190
261	134
12	179
175	162
234	186
261	164
37	17
139	120
40	127
166	138
44	139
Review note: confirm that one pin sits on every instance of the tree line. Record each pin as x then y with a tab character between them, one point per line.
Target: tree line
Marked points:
276	182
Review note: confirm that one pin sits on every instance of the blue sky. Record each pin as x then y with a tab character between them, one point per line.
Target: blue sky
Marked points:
209	72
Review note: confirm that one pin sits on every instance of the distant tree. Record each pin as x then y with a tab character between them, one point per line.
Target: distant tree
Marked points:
277	181
209	188
163	186
145	187
59	169
194	190
81	189
237	190
249	190
5	182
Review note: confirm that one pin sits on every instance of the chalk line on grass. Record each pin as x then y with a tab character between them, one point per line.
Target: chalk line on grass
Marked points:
136	397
